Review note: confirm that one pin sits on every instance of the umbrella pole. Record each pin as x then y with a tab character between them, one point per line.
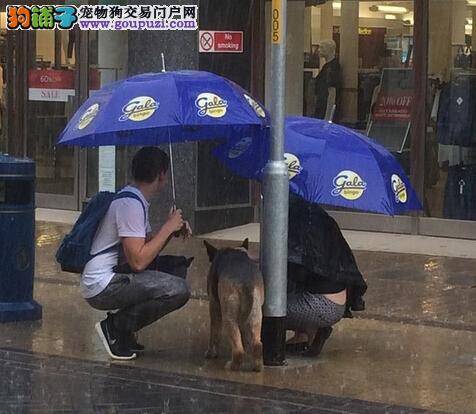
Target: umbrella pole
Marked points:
171	154
274	218
172	175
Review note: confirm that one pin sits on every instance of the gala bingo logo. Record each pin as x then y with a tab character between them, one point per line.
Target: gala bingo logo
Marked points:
399	189
139	109
256	106
294	165
211	105
349	185
88	116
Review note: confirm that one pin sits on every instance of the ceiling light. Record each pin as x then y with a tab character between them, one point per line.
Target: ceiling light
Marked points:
472	2
390	17
336	5
391	9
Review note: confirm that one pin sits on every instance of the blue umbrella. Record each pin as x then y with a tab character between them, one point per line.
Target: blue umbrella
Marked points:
333	165
157	108
167	107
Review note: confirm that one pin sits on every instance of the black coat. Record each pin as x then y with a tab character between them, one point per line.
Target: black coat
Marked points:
316	242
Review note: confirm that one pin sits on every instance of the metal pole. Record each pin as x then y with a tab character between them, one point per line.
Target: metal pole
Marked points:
274	220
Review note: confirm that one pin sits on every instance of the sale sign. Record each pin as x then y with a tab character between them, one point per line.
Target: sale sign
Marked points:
393	106
391	114
56	85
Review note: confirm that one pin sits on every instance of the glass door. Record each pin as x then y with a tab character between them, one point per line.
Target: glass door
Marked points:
357	54
50	104
450	155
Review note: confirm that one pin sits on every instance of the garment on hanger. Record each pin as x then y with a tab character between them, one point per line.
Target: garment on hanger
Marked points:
457	112
460	193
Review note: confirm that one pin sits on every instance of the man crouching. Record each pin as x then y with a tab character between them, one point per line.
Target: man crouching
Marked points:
142	296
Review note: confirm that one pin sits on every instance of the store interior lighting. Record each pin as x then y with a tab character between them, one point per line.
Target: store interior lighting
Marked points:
390	9
336	5
472	2
390	17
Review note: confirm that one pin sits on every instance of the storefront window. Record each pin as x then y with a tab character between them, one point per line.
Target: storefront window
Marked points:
51	91
358	69
450	167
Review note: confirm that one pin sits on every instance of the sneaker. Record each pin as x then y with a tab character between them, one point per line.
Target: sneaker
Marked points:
322	336
131	343
114	346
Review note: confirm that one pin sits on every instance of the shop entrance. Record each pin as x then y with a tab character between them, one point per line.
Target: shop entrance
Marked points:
43	68
50	104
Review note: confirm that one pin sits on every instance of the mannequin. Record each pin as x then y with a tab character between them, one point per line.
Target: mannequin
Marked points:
328	82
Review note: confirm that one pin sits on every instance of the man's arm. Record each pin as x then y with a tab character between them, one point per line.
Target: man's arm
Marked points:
140	253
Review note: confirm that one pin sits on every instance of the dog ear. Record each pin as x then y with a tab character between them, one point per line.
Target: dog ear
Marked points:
212	251
189	261
245	244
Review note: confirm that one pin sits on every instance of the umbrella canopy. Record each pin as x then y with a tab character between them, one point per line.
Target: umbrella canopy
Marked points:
157	108
333	165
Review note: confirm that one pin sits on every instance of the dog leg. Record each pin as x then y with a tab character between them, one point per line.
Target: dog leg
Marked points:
237	351
252	331
255	345
231	315
215	328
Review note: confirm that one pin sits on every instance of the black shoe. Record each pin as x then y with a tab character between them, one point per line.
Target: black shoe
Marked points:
115	347
322	336
358	304
132	344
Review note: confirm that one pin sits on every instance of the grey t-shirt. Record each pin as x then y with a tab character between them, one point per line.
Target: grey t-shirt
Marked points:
125	218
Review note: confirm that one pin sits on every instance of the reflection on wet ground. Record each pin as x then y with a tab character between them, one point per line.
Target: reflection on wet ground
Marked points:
34	383
414	346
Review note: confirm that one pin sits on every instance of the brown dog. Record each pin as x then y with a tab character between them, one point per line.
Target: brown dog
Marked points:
236	294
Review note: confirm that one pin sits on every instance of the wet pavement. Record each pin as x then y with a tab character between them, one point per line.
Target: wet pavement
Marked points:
42	384
415	346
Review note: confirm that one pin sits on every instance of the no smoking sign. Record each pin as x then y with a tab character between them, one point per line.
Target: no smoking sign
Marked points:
212	41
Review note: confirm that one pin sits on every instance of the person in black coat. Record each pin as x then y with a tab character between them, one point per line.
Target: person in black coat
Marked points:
324	282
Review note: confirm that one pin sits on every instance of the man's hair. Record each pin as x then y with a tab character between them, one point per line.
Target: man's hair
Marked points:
149	163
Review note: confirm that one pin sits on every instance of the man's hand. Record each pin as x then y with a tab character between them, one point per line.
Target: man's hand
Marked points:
174	222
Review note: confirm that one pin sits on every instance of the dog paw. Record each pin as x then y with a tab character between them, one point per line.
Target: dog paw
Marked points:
211	354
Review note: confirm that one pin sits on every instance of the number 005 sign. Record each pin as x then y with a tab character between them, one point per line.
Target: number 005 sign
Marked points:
276	22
